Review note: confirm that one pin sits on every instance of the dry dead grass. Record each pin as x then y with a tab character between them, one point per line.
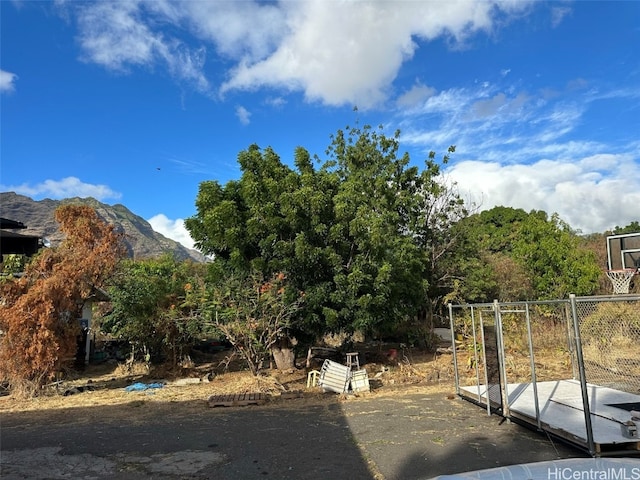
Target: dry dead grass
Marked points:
104	385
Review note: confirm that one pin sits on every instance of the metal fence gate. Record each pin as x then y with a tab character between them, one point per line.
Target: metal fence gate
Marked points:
570	367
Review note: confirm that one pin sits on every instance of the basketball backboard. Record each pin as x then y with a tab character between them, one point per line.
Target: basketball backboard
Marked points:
623	251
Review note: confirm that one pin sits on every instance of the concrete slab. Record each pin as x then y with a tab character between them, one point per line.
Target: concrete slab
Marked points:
561	410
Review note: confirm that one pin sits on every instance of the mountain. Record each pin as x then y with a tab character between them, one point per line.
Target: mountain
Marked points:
141	240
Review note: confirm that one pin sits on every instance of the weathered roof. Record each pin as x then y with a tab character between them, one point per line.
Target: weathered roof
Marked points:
12	224
12	242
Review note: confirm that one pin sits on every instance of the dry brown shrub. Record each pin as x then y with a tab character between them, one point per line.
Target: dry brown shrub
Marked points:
38	312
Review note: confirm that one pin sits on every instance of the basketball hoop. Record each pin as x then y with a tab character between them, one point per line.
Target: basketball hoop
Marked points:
620	279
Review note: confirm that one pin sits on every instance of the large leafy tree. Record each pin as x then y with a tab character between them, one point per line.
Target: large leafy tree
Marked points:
351	234
486	267
273	220
156	307
39	312
381	276
550	251
515	255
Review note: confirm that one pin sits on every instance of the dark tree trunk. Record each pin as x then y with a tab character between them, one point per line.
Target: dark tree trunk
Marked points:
284	355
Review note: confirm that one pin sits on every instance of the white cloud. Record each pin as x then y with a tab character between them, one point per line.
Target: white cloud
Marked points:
499	123
243	115
173	229
64	188
352	51
115	35
112	35
7	81
525	150
244	30
416	95
338	53
489	107
558	14
592	194
275	102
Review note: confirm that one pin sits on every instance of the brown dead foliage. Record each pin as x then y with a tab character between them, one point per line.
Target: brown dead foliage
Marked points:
39	311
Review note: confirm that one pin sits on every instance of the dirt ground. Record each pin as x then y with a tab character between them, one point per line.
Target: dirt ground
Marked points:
392	370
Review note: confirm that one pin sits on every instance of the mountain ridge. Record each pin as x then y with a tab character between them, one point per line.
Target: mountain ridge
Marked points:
140	239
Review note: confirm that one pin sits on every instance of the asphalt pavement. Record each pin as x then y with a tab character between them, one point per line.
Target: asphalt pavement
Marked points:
404	437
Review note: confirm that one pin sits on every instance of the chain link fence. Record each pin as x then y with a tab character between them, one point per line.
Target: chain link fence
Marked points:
511	343
609	330
504	349
521	342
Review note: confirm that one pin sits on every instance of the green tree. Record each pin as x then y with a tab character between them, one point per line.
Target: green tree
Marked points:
254	316
13	263
549	250
484	257
272	220
156	307
633	227
546	258
351	235
394	222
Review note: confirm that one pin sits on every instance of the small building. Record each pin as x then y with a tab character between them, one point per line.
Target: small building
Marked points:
85	342
12	242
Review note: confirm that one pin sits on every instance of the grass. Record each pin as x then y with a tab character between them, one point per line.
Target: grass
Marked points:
104	385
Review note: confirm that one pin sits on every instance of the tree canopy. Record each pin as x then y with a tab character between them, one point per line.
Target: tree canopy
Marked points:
156	306
356	235
361	241
633	227
515	255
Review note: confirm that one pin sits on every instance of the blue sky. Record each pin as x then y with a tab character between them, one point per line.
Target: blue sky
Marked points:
137	102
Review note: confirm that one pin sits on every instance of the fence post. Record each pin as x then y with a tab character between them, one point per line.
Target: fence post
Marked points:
483	341
476	359
532	364
502	367
453	346
583	376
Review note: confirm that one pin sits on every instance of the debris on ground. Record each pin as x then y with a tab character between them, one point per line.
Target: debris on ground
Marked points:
187	381
338	378
238	400
138	386
74	390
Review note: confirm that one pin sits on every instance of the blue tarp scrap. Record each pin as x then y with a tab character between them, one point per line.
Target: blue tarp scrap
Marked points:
138	387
